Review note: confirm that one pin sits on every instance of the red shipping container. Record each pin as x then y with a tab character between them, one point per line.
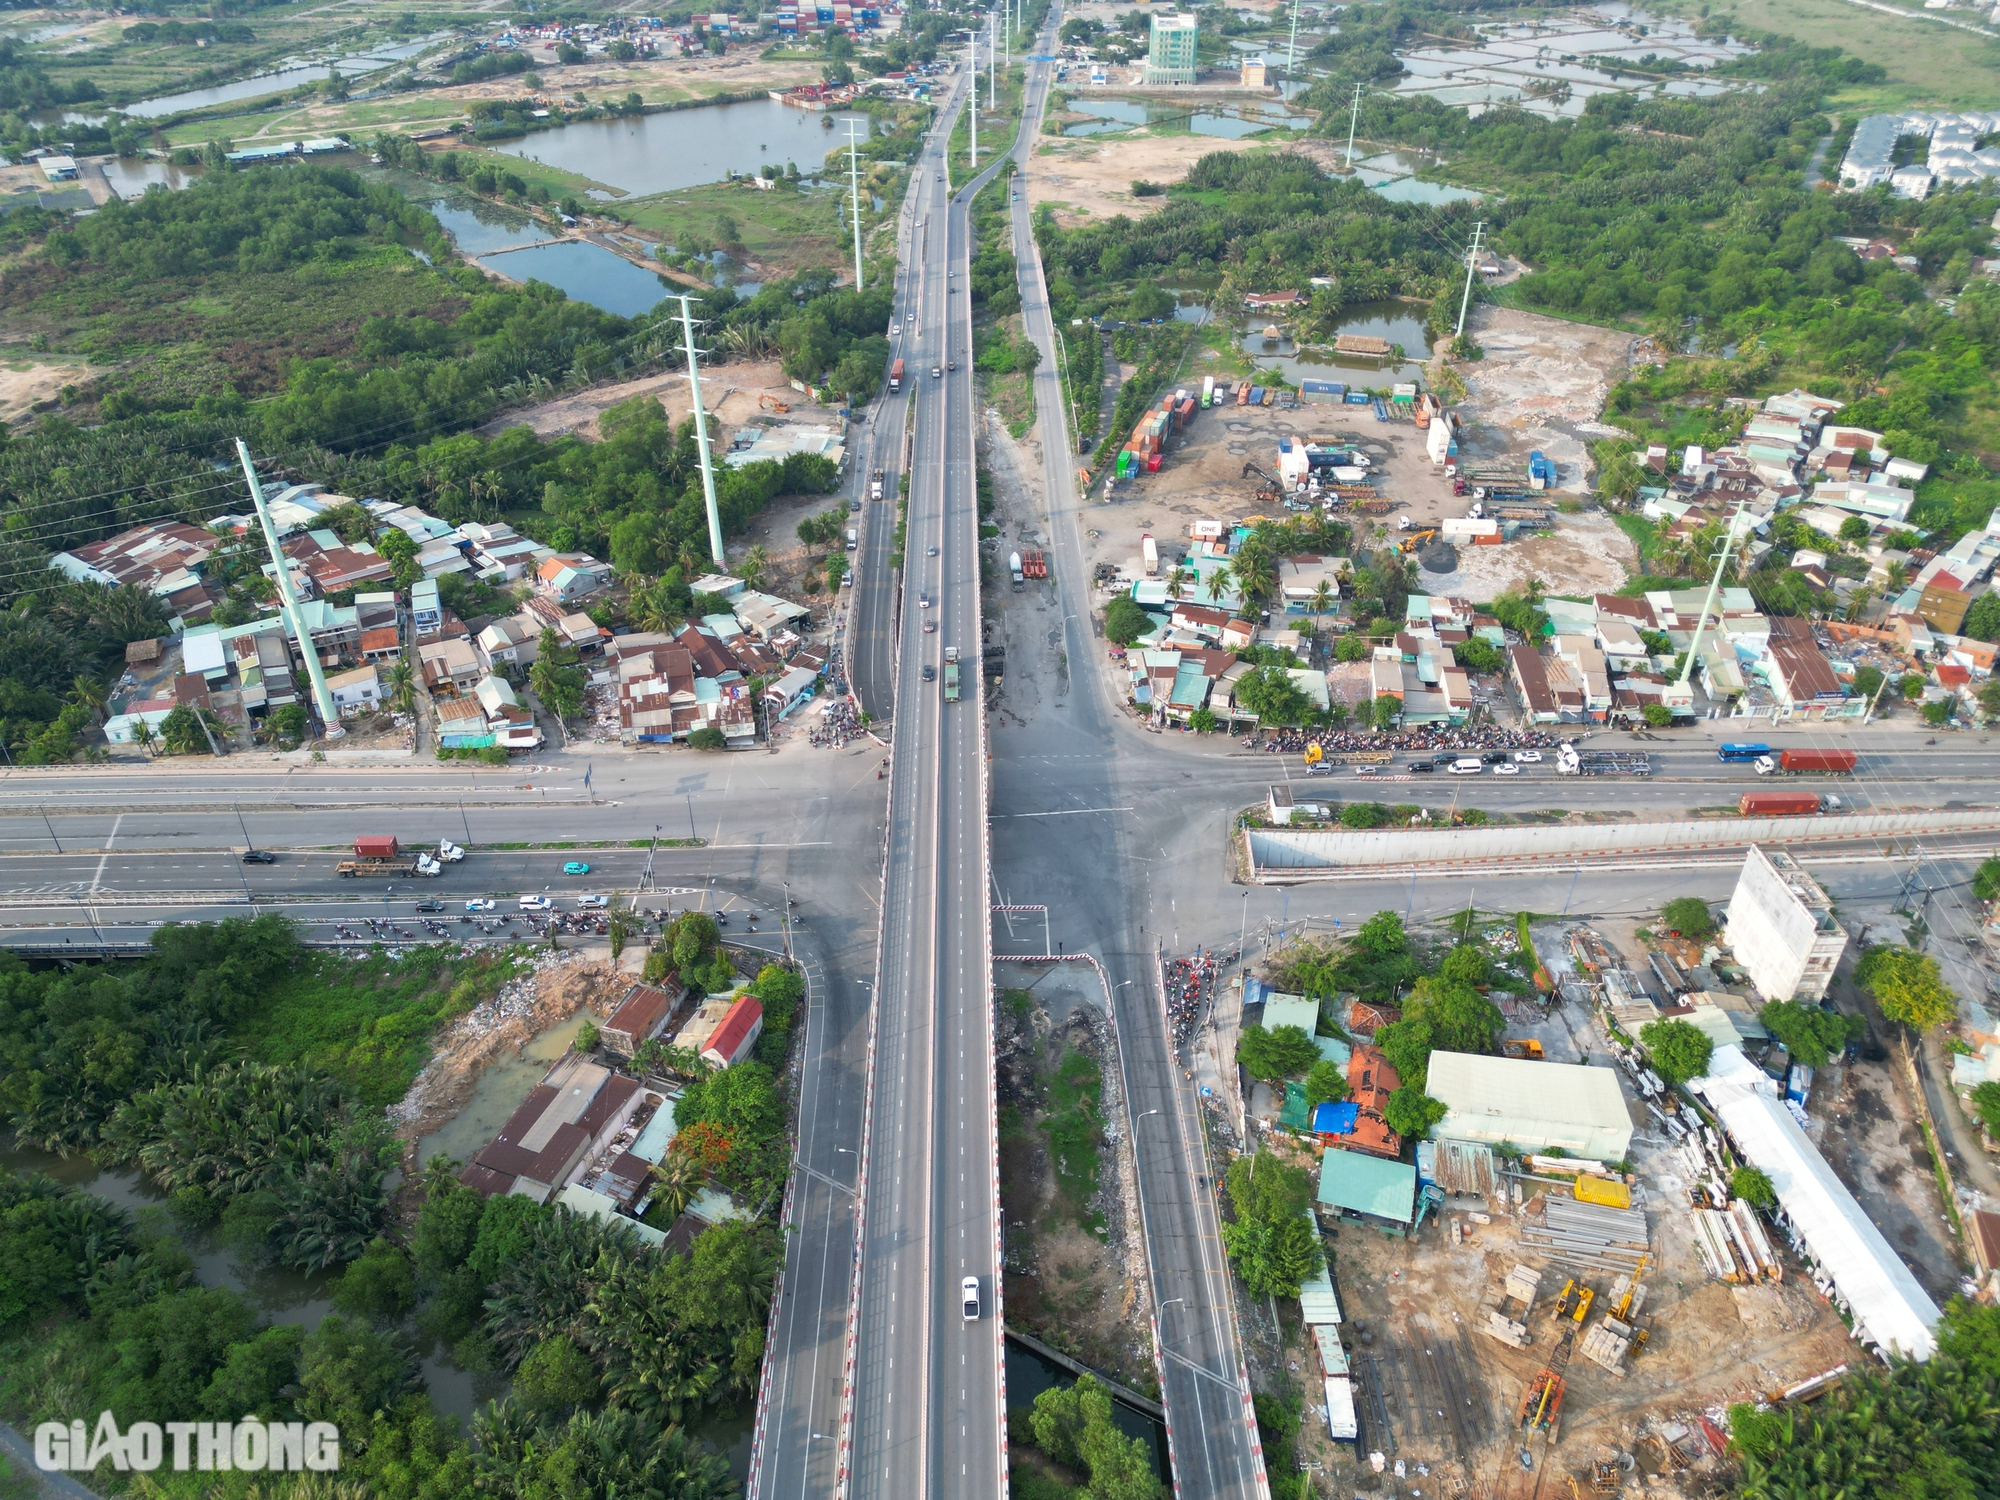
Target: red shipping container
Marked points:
1152	463
1816	760
375	846
1778	804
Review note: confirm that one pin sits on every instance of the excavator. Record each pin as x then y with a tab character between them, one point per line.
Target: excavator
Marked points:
767	403
1269	490
1415	540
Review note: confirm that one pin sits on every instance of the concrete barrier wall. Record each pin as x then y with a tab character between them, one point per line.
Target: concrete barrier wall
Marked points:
1275	852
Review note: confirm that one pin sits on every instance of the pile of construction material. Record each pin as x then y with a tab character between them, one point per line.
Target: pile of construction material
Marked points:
1524	1284
1733	1246
1591	1235
1611	1340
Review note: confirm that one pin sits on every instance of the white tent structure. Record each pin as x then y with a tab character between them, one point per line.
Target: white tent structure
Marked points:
1852	1263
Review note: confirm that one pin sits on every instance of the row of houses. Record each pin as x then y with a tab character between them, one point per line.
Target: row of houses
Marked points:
169	558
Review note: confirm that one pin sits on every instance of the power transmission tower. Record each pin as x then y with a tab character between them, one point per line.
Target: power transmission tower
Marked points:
854	186
1353	119
701	433
972	57
1292	51
1471	263
288	601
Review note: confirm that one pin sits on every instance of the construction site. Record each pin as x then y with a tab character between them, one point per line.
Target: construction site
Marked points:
1511	1319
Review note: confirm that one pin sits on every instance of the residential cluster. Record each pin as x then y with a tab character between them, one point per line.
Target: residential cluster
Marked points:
589	1135
1955	156
643	687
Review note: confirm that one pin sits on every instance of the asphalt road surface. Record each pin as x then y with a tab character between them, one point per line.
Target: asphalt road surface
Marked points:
1062	838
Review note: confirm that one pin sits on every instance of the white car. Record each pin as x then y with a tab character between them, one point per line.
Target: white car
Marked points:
1528	757
895	330
923	601
480	904
537	903
592	903
969	1291
1506	768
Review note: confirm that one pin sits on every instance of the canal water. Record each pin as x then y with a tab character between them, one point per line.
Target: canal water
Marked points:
1398	321
1229	123
586	272
372	61
1028	1375
681	148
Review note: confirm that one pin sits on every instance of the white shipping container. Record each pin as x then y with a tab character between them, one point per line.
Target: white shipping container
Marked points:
1150	551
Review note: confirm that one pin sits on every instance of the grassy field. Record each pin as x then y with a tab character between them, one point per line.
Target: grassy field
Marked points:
784	230
1929	63
370	1021
196	333
127	70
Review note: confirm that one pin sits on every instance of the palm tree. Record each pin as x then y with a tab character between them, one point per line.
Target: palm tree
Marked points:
143	736
756	562
676	1179
1321	602
1219	583
89	693
402	685
1177	582
1255	578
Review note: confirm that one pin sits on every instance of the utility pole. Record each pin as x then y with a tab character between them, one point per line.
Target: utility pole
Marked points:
1471	263
288	601
1353	121
701	433
854	186
992	56
1708	603
1292	50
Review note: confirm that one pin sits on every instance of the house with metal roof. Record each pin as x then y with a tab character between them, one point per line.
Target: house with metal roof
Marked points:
1368	1186
1535	1105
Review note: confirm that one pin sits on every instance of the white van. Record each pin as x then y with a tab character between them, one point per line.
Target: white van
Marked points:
1467	765
536	903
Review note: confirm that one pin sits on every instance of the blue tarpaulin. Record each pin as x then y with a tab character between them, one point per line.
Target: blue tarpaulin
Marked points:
1336	1119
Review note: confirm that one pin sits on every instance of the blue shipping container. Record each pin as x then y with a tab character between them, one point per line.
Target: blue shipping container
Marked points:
1357	398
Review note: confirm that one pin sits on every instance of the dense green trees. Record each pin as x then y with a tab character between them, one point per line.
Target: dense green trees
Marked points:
1689	916
1812	1036
1907	985
1271	1236
1679	1050
1073	1427
1439	1014
1908	1430
1275	1052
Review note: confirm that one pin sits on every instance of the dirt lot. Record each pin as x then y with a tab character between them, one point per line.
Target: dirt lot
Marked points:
1075	1272
550	993
730	390
1541	385
1091	177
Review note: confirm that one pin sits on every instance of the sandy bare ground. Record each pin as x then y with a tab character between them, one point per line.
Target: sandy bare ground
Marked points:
1541	385
1091	177
1585	554
22	387
729	390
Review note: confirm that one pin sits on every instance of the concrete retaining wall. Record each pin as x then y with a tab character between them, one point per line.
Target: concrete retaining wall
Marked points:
1283	853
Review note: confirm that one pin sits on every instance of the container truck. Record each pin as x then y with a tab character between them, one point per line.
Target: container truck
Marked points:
1785	804
380	855
1796	762
875	485
896	376
951	674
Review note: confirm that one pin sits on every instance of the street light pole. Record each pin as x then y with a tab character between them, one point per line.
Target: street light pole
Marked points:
51	828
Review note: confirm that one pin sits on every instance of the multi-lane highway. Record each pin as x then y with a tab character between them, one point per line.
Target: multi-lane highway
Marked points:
926	1409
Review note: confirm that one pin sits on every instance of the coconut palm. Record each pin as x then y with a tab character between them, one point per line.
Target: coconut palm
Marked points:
1220	582
402	685
676	1180
89	693
653	606
1177	582
1321	602
1255	578
756	562
143	736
